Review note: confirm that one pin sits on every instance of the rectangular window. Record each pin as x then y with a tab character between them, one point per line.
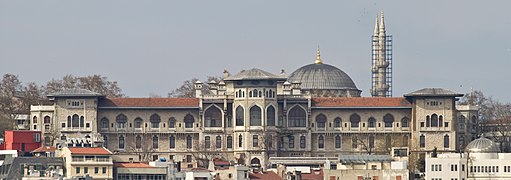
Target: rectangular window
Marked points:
86	170
302	142
77	170
37	137
96	170
255	141
291	142
103	170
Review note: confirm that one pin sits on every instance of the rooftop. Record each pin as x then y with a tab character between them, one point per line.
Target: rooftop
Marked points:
254	74
363	158
361	102
433	92
149	102
75	93
269	175
90	150
43	149
132	165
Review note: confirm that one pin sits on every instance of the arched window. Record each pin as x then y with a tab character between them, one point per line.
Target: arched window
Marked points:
172	141
207	142
240	116
355	120
297	117
104	123
68	121
321	121
338	142
121	142
218	143
255	141
155	121
82	121
428	121
229	141
462	122
47	120
75	121
255	116
371	141
371	122
446	141
34	119
405	122
138	123
321	142
270	116
239	93
240	141
213	117
440	121
422	141
388	120
337	122
138	142
434	120
121	120
189	142
155	142
189	120
172	122
302	142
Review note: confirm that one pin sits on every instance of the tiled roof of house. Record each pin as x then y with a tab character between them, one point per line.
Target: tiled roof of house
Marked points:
132	165
75	93
44	149
360	102
90	150
314	175
149	102
270	175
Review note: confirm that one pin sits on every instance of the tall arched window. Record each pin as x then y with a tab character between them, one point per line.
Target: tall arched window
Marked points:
270	116
229	141
155	142
321	142
47	120
337	122
207	142
213	117
405	122
172	122
297	117
138	123
240	141
371	122
422	141
189	120
461	122
255	116
172	141
75	121
240	116
321	121
69	121
302	142
82	121
155	121
434	120
388	120
338	142
138	142
440	121
428	121
218	142
121	142
189	142
355	120
34	119
104	123
446	141
371	141
121	120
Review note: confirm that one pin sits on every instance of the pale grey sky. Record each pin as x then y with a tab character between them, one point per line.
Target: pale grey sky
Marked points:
152	46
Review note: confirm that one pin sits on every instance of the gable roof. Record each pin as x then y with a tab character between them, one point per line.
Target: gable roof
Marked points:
90	150
15	171
148	102
43	149
360	102
254	74
433	92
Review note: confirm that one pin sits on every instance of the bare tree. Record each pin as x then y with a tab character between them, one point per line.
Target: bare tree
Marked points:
187	89
10	103
95	83
145	150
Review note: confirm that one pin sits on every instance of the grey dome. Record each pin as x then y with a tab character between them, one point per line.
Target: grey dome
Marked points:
482	145
322	77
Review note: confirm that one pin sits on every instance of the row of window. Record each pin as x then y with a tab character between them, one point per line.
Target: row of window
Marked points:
75	121
78	170
46	120
154	140
256	93
488	169
154	120
422	141
388	120
434	121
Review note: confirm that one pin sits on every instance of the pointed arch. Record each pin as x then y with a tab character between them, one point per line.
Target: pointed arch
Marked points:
270	115
189	120
213	116
297	116
405	122
121	120
355	120
321	121
155	120
337	122
255	116
75	121
434	120
388	120
240	116
371	122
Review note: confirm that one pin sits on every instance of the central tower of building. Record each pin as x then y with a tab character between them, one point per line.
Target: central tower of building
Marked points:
381	68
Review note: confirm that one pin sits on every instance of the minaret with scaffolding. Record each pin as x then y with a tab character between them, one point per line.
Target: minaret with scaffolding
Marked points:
381	69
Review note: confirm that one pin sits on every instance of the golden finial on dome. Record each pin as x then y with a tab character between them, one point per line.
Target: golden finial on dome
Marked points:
318	58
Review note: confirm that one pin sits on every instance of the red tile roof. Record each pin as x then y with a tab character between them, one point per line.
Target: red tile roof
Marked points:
149	102
360	102
270	175
314	175
44	149
90	150
132	165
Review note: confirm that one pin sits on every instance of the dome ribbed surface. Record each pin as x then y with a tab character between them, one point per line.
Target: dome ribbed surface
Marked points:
322	76
482	145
